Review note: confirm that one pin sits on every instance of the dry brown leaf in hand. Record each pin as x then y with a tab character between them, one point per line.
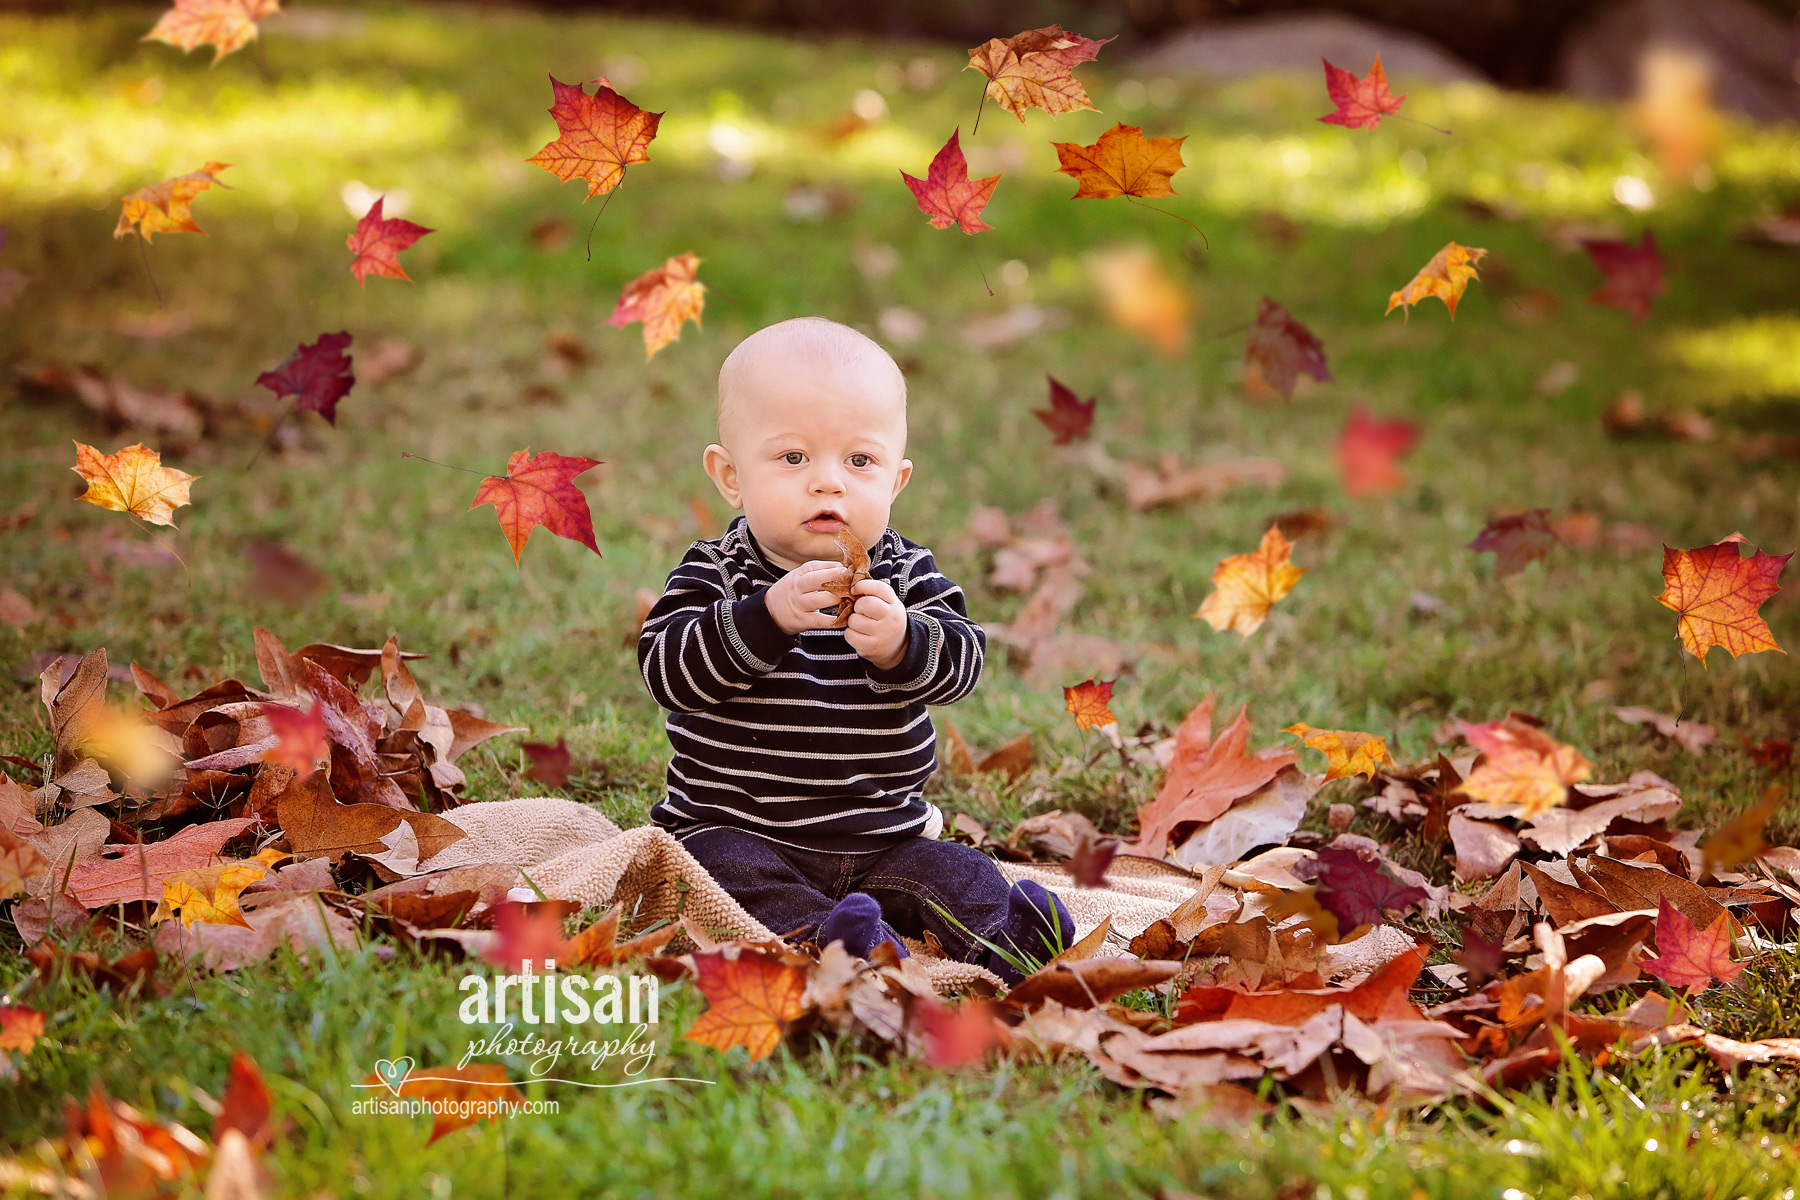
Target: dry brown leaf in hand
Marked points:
856	569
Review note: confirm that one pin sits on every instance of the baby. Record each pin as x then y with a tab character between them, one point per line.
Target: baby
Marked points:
801	749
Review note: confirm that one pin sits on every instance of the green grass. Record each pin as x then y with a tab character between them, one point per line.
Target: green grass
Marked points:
446	104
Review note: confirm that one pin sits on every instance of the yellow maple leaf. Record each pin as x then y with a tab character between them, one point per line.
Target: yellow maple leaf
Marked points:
1346	751
134	481
19	861
662	298
1122	163
1250	584
1524	766
163	207
225	25
1445	276
209	895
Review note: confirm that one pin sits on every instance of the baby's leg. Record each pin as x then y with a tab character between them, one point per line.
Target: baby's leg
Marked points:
773	888
907	878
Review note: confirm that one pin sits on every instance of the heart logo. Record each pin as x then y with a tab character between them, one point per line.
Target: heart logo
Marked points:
394	1073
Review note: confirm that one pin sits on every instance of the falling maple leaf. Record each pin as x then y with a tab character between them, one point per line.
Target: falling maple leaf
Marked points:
1524	766
1087	700
1035	69
318	374
163	207
1360	892
20	1027
1516	539
1634	274
960	1035
1069	417
528	933
1346	751
601	135
1361	103
1279	351
1093	855
549	764
1446	276
209	895
1122	163
1688	958
1480	957
225	25
1142	298
134	481
376	242
855	558
1716	592
1206	777
947	195
539	490
1249	585
302	741
1741	838
662	298
749	1000
1369	450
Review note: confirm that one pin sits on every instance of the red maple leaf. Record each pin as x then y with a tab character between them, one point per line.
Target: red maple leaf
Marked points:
1368	452
1688	958
1516	539
376	242
303	740
1358	892
1068	417
599	136
540	491
549	764
961	1035
1634	274
947	195
1280	350
1361	103
318	374
528	932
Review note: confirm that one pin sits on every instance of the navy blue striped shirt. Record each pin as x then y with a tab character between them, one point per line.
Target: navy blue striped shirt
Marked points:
794	737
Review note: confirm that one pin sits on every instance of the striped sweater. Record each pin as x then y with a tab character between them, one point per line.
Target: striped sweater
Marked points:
794	737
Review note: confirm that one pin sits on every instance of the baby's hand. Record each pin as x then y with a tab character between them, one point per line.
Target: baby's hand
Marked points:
878	624
795	599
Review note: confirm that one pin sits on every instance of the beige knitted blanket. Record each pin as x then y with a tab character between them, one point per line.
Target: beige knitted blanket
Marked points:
572	852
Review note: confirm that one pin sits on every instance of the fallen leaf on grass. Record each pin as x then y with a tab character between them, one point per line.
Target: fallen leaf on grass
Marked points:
1361	892
1205	777
1248	586
1688	958
1692	736
598	944
459	1096
549	764
1524	766
1446	276
1169	482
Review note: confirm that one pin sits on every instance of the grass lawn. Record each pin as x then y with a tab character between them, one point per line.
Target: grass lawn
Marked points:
444	104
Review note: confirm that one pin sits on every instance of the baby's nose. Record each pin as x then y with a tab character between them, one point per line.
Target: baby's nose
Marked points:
827	481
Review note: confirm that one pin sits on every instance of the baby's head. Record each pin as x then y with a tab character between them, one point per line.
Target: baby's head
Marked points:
812	429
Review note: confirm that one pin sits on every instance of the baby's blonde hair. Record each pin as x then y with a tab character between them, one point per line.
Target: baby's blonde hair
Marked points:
821	342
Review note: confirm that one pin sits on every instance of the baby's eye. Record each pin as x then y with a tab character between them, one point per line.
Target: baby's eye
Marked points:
860	460
793	458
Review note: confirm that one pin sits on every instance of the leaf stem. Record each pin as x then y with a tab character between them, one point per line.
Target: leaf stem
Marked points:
596	220
165	546
273	430
1416	121
145	256
979	267
978	109
1165	212
434	462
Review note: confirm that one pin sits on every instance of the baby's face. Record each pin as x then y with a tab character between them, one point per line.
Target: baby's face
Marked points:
809	451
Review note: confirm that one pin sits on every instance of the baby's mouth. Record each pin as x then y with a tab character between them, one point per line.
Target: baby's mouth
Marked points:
825	521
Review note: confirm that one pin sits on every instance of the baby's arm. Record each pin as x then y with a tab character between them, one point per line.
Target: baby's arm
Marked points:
945	648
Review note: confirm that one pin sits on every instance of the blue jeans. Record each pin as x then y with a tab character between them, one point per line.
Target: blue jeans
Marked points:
791	891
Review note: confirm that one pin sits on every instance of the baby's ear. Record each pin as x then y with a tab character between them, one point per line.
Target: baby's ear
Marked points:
902	475
723	472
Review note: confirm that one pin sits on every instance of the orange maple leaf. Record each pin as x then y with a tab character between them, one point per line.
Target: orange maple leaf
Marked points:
537	491
377	242
164	207
1361	103
1087	700
749	1000
1369	449
947	195
1279	351
1250	584
601	135
134	481
209	895
1206	777
662	298
225	25
19	860
1122	163
1524	766
1346	751
1035	69
1716	591
461	1095
1688	958
20	1027
1445	276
